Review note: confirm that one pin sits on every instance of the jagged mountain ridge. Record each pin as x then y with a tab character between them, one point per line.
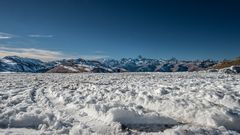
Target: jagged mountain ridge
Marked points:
78	66
140	64
19	64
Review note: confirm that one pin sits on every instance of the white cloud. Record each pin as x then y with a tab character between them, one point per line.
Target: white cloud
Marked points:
45	55
40	36
5	35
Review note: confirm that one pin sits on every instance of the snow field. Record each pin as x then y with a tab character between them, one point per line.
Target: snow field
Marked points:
126	103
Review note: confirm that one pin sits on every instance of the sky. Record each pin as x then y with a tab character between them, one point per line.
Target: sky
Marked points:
92	29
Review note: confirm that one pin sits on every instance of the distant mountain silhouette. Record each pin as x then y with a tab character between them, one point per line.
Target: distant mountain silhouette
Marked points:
139	64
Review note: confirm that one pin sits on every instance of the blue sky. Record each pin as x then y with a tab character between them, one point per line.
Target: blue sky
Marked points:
55	29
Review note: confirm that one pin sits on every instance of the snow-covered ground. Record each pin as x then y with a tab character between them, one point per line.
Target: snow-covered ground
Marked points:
125	103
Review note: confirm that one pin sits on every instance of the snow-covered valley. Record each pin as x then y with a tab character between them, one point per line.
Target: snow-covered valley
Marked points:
120	103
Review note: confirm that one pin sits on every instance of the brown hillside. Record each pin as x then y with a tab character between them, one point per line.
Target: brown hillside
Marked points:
62	69
228	63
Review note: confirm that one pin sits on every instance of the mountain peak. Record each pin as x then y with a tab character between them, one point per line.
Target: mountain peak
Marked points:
139	64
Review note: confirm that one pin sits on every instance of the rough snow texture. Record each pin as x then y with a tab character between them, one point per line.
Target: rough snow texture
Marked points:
126	103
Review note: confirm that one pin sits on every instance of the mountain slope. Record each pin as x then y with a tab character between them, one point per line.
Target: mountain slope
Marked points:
19	64
140	64
228	63
79	66
153	65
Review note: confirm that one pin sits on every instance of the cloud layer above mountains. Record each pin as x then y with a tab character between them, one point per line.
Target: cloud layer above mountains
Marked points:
45	55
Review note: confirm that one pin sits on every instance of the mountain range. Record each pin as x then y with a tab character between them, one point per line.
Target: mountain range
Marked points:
139	64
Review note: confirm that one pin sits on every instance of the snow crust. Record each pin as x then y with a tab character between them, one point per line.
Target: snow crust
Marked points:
125	103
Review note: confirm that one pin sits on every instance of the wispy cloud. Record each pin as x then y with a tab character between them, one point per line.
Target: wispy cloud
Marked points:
94	57
5	35
40	36
45	55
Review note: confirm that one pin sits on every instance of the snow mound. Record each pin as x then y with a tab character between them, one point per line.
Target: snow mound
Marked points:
125	116
129	118
231	70
144	123
80	130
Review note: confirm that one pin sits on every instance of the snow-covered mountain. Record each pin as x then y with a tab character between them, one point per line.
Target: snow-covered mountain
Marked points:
78	66
139	64
19	64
